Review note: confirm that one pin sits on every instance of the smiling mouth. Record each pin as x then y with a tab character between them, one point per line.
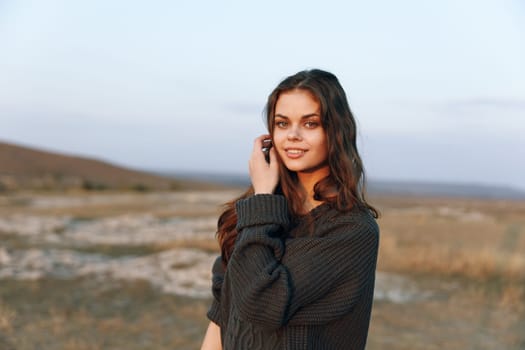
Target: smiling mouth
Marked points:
294	152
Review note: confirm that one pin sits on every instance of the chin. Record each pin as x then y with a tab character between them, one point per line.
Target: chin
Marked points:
306	168
299	168
294	167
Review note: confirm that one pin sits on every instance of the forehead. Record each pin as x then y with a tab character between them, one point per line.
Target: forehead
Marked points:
296	102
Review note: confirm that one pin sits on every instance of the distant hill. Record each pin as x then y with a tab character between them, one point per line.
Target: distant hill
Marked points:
382	187
436	189
23	167
28	168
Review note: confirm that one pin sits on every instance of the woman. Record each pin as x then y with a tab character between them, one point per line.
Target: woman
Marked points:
299	248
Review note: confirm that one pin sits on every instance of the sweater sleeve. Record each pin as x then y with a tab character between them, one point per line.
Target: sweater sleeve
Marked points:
306	280
217	280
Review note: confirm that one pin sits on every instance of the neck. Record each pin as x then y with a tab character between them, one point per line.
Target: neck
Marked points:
308	181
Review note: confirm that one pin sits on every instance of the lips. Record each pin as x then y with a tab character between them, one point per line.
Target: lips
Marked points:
294	152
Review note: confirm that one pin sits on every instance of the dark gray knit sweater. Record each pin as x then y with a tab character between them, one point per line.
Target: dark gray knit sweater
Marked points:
309	286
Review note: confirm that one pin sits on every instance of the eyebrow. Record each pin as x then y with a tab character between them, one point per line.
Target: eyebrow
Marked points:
310	115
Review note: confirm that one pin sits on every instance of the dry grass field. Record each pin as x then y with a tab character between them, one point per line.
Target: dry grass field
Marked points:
452	271
480	239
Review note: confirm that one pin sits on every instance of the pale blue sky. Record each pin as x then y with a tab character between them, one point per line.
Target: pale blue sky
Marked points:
438	88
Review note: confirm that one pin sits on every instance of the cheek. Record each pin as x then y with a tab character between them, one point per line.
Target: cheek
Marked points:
278	137
319	140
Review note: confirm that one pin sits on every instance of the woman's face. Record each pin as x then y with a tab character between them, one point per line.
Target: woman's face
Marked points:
298	134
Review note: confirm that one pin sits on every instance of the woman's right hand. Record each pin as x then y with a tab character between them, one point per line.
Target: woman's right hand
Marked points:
264	175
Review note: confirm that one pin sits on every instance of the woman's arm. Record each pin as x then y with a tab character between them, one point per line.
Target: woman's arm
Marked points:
278	281
212	339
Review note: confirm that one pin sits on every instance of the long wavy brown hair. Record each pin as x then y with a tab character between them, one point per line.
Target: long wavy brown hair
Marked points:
344	187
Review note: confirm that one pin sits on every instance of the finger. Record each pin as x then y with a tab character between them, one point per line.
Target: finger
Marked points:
258	142
257	153
261	146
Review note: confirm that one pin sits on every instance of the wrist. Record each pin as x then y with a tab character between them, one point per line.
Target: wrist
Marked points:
263	190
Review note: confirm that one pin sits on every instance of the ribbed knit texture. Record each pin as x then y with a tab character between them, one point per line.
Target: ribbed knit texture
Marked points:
306	287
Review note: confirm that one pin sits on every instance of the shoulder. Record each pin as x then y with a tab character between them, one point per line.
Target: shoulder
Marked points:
355	220
357	215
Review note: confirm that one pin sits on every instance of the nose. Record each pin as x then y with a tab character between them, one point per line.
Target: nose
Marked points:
293	134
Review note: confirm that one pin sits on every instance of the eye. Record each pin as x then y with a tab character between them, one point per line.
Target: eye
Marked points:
311	124
281	124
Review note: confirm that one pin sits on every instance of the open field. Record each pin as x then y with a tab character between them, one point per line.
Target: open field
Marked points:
131	271
472	238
